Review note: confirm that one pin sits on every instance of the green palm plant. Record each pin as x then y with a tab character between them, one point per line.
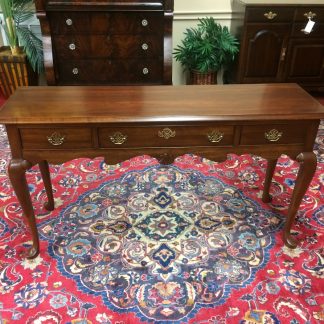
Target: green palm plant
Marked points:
15	13
206	48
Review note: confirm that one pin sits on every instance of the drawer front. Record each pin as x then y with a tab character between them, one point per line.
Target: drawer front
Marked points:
56	138
315	13
294	133
269	14
162	136
106	22
110	71
317	31
115	46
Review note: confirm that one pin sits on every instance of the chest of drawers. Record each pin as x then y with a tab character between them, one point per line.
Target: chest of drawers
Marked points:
106	42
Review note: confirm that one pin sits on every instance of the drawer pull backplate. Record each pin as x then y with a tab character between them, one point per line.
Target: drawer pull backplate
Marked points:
270	15
215	136
118	138
273	135
310	15
56	139
167	133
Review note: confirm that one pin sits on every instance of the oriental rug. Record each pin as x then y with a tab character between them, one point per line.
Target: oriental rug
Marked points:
139	242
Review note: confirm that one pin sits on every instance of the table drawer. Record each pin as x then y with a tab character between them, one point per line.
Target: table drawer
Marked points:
162	136
99	71
293	133
115	46
106	22
56	138
269	14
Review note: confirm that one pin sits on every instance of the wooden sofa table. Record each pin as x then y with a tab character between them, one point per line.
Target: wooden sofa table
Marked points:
57	124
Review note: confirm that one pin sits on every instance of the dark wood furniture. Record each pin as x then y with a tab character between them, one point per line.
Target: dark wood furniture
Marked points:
275	47
57	124
106	42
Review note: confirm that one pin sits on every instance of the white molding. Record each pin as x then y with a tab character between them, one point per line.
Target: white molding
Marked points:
194	15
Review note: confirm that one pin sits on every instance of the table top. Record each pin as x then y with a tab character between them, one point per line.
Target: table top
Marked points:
120	104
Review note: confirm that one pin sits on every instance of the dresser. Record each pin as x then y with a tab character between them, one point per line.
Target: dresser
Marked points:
276	46
57	124
106	42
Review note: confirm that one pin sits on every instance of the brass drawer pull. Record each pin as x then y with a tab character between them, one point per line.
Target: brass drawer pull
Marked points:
167	133
145	71
56	139
69	22
215	136
273	135
75	71
118	138
310	15
270	15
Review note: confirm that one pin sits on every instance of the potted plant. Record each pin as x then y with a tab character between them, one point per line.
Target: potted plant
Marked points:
22	60
205	50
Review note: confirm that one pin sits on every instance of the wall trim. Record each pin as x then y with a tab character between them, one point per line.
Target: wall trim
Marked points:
194	15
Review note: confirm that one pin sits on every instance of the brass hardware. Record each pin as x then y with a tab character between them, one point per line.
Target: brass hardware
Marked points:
69	22
144	47
56	139
215	136
273	135
167	133
118	138
144	22
270	15
310	15
145	71
283	54
75	71
72	46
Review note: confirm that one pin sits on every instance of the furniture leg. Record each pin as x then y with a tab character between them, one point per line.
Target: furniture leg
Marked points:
306	172
46	176
17	174
268	178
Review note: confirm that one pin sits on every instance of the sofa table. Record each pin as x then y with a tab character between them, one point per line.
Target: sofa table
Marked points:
57	124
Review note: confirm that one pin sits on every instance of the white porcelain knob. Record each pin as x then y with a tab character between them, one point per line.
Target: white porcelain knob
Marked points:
69	21
144	22
144	47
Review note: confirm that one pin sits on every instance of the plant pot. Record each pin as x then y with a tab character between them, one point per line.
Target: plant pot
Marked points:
197	77
15	71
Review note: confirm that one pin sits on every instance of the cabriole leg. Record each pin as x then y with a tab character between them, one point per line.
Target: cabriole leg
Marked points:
306	172
17	174
268	178
44	169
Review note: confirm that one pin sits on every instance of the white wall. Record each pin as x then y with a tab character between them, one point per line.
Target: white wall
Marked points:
186	14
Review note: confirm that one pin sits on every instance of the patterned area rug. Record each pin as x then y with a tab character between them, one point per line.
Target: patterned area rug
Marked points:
139	242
